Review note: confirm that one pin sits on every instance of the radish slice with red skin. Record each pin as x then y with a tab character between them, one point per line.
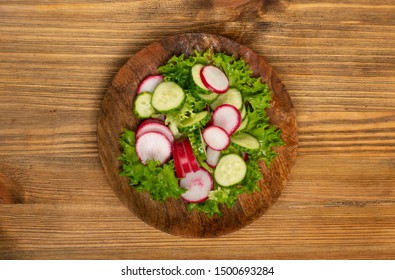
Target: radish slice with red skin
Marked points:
227	117
177	165
149	84
182	156
151	120
198	185
155	126
212	157
191	156
153	146
214	79
216	137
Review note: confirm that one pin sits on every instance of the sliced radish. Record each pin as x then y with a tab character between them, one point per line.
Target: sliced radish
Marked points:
214	79
154	126
227	117
212	157
177	164
191	156
179	151
153	146
149	84
151	120
216	137
198	185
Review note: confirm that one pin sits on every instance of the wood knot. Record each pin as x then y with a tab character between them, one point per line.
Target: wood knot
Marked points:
10	192
274	6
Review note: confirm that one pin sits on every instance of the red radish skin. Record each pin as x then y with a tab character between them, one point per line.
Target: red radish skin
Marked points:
216	137
214	79
177	165
191	157
153	146
151	120
212	157
198	185
182	156
245	156
155	126
149	84
227	117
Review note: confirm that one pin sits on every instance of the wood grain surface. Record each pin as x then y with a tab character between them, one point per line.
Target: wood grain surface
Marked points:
336	59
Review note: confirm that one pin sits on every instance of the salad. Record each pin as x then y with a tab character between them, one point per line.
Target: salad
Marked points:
203	129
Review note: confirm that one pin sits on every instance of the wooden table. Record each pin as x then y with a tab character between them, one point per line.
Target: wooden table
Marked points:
336	58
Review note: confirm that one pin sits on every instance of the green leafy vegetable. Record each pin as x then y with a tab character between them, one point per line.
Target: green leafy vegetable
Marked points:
239	75
159	180
178	68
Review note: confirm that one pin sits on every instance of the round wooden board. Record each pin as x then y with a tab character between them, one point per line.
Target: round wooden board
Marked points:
172	217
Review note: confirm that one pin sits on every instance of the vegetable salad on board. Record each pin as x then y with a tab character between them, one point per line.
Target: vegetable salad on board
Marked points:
203	129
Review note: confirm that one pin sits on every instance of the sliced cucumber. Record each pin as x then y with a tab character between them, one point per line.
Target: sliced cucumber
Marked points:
198	145
142	105
243	124
195	72
197	121
243	112
232	97
167	96
174	129
245	142
230	170
208	98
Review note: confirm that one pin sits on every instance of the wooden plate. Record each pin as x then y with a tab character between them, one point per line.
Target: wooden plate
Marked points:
172	216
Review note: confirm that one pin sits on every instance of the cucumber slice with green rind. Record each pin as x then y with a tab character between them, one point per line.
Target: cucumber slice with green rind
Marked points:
195	73
232	97
167	96
243	112
142	105
230	170
197	121
208	98
245	142
243	124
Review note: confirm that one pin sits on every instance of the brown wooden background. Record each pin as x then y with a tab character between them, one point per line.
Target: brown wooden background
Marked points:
336	58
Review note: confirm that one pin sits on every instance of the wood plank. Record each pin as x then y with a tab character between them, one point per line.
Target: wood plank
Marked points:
336	58
300	233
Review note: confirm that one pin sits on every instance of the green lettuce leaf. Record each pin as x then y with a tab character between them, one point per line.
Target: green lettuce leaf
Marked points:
158	180
239	74
268	136
178	68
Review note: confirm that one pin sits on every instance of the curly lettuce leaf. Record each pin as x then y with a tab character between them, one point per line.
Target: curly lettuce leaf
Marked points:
268	136
218	196
158	180
178	68
239	74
